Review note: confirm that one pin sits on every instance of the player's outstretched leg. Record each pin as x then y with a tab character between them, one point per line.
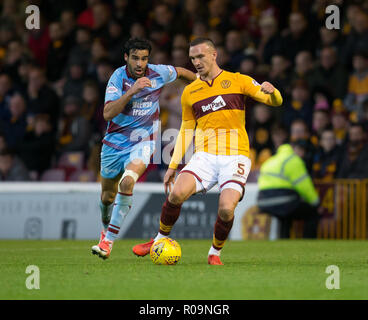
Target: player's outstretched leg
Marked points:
228	200
184	187
169	214
109	189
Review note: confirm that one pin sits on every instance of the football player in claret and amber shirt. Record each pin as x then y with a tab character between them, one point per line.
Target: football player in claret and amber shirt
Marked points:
214	106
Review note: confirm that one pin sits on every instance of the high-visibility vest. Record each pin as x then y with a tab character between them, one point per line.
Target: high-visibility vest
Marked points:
286	170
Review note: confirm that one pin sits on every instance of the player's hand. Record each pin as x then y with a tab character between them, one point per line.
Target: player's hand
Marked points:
169	179
140	84
267	88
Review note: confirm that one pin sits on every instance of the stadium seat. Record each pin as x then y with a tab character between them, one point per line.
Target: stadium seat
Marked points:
74	160
82	176
53	175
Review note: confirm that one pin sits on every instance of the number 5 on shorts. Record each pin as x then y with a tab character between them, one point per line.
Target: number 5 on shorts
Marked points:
241	168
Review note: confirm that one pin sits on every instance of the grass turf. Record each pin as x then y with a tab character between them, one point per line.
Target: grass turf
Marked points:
253	270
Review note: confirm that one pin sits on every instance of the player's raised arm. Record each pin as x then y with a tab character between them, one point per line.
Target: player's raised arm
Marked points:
265	93
185	74
113	108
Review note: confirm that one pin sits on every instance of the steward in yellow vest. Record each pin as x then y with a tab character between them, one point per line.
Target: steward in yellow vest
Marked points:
286	191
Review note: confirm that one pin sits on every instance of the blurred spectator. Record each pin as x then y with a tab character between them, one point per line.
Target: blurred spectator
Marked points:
365	115
74	130
41	98
218	15
216	36
299	132
248	66
6	91
57	55
3	144
279	136
124	14
340	121
137	30
38	145
14	126
304	65
101	17
358	37
12	168
39	42
223	58
13	57
193	11
171	106
321	120
269	42
104	70
280	73
330	38
180	58
298	37
358	84
86	17
159	57
92	108
69	26
329	74
355	159
259	134
247	16
234	46
328	157
75	76
82	47
116	42
300	105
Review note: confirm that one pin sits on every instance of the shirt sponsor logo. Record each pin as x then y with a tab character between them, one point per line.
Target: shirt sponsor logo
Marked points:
140	112
215	105
196	90
171	70
153	83
142	104
111	89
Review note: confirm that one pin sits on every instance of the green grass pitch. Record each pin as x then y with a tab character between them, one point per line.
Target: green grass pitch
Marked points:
253	270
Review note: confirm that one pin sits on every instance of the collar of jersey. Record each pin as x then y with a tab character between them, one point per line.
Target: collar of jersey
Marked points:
212	81
146	73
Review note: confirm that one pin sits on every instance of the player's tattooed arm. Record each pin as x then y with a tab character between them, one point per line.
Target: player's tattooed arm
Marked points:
185	74
113	108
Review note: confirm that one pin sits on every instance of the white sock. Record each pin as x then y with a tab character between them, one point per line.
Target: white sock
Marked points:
214	251
159	236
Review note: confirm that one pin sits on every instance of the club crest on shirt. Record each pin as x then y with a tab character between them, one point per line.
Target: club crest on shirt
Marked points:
111	89
225	84
153	83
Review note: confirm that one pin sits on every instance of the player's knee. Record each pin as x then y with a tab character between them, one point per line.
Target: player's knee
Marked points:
176	197
107	197
226	214
127	184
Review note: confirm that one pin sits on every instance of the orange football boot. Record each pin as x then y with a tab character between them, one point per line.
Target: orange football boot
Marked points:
143	249
214	260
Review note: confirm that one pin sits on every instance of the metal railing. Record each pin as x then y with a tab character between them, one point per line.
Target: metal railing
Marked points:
344	210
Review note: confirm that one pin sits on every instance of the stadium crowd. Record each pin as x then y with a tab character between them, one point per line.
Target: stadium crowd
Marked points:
53	79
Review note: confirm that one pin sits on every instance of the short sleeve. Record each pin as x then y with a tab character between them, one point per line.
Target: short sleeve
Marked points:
114	88
168	73
187	111
248	85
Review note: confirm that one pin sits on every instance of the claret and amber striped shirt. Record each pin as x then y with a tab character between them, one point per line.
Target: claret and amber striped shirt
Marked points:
218	109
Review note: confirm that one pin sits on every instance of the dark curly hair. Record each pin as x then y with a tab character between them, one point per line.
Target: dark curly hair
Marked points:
137	44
